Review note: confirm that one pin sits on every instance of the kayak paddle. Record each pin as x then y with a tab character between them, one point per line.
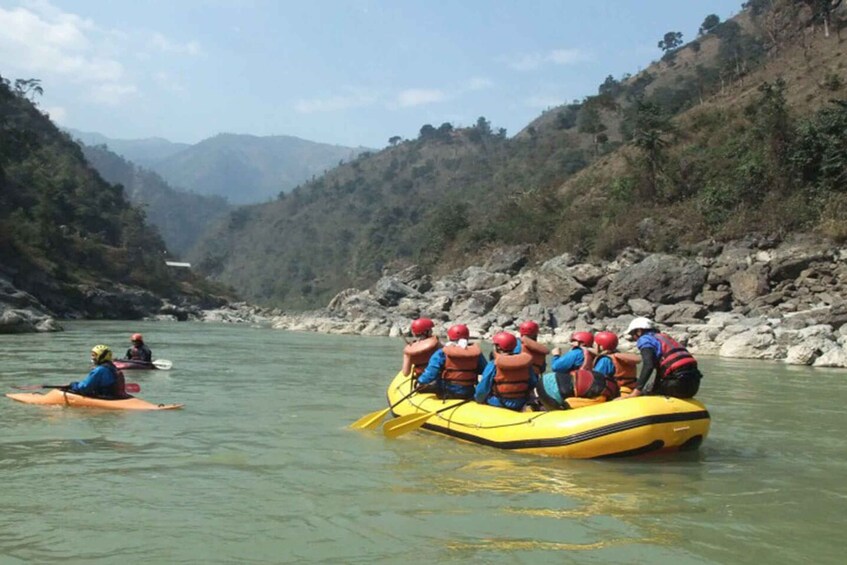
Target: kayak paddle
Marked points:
412	422
130	387
371	421
163	364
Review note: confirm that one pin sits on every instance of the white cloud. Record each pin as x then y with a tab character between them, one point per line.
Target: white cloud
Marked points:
113	94
533	61
355	98
420	96
479	83
165	45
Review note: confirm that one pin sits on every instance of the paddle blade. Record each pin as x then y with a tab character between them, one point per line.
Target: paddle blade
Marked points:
370	421
132	387
163	364
405	424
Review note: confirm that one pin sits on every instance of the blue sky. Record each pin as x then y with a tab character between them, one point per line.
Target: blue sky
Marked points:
353	72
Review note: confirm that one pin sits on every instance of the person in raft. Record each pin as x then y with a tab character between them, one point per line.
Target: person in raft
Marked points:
578	378
139	350
626	364
508	379
104	380
676	372
453	370
418	351
529	343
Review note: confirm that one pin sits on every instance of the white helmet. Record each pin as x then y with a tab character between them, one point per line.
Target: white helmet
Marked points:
640	323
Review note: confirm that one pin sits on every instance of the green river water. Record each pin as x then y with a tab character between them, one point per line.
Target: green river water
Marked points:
260	466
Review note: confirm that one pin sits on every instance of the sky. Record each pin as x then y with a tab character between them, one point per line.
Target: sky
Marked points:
347	72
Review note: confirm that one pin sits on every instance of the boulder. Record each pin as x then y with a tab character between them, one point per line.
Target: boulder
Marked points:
749	283
659	278
388	291
757	343
508	260
835	357
680	313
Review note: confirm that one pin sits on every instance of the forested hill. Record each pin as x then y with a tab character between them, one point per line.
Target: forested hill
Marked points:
740	130
65	233
142	152
247	168
181	217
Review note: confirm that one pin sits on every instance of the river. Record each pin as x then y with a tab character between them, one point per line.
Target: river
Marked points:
260	466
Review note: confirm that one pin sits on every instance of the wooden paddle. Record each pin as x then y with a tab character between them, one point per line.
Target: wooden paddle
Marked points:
130	387
412	422
371	421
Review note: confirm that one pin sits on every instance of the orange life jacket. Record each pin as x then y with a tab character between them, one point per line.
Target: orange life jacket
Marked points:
512	377
587	358
539	353
674	356
460	364
419	352
626	371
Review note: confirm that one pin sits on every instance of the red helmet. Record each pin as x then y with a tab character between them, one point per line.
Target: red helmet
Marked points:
457	332
529	328
584	338
137	337
505	341
422	326
607	340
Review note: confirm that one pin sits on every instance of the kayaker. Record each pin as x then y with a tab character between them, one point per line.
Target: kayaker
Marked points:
626	364
576	375
528	331
676	372
508	379
453	370
104	380
139	350
419	350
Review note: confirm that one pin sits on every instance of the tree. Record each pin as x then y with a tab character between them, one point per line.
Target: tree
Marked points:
394	140
427	132
589	121
649	130
709	23
671	41
822	12
483	126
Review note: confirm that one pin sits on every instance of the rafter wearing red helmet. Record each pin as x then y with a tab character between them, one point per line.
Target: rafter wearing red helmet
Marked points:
419	350
528	342
453	371
508	379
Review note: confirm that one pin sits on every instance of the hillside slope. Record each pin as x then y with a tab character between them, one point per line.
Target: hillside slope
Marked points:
140	151
704	143
248	169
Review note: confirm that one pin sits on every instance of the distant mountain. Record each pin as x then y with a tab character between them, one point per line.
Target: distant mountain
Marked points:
140	151
181	217
248	169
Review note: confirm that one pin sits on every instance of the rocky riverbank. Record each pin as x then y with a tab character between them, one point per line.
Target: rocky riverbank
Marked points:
759	298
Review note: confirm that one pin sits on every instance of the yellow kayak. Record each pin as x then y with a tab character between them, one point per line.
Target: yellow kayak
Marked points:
58	397
633	426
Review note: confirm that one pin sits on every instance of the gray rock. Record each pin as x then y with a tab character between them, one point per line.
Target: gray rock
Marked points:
508	260
835	357
681	313
388	291
641	307
659	278
749	283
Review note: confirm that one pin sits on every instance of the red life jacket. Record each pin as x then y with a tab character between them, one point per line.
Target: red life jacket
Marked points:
674	356
626	364
587	358
119	387
419	352
136	353
512	377
460	364
582	383
538	352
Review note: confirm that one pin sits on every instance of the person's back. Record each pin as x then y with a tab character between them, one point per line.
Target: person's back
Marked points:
104	380
417	354
625	364
139	350
578	379
453	371
509	378
529	343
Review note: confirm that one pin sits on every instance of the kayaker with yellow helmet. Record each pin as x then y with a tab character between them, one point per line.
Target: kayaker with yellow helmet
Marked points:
104	380
139	350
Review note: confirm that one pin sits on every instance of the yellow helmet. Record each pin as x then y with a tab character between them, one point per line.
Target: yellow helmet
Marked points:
101	354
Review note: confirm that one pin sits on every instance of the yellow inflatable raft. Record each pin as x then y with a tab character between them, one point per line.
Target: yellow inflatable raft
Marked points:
627	427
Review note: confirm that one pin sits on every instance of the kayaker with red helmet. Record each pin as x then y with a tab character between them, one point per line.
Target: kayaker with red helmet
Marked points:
528	342
576	375
104	380
139	350
419	350
676	372
508	379
453	370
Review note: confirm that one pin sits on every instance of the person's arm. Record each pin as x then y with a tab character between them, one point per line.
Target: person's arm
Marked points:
90	382
481	364
533	378
433	368
148	354
649	363
483	389
567	362
128	354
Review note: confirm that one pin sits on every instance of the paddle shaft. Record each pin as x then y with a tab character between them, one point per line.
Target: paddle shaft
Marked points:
129	387
411	422
372	420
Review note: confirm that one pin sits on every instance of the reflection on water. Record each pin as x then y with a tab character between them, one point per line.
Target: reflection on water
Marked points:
261	467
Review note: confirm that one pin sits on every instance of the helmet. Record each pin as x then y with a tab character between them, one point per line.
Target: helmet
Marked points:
422	326
457	332
640	324
137	337
584	338
529	328
505	341
101	354
607	340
